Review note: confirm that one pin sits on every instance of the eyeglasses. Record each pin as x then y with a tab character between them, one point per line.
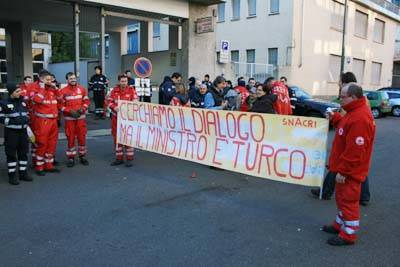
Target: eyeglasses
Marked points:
343	96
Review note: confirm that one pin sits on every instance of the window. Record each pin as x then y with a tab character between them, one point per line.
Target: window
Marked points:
235	61
252	4
107	46
133	42
273	60
334	68
361	24
218	56
156	30
3	66
250	58
221	12
274	6
3	52
235	55
3	78
379	31
37	54
37	67
393	95
372	96
337	15
376	72
235	9
358	69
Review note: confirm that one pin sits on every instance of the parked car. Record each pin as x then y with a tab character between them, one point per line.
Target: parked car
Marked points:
394	102
390	89
379	102
305	105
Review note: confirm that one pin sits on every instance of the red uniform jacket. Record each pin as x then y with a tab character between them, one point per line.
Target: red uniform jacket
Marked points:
354	139
28	91
73	98
45	103
129	94
282	103
244	93
175	101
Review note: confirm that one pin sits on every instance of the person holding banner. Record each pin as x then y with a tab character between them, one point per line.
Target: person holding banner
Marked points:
217	91
265	100
282	104
328	187
121	92
350	158
181	98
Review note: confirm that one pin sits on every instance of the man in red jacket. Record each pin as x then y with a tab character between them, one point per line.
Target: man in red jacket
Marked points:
74	102
45	124
120	92
282	103
350	158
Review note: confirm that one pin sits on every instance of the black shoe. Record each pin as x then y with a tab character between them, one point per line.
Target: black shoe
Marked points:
338	241
329	229
364	203
117	162
54	170
13	180
316	192
84	161
56	163
128	164
70	163
40	173
26	178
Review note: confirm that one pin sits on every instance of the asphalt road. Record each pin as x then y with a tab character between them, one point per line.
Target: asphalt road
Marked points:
154	214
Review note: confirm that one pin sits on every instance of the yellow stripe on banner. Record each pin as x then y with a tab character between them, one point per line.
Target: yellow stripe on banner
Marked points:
289	149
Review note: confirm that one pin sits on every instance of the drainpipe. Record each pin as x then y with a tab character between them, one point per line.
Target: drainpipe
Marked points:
76	39
301	34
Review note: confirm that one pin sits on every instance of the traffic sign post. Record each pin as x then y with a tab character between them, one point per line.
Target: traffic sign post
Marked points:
142	67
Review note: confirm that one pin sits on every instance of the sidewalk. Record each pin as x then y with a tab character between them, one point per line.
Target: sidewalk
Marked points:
95	128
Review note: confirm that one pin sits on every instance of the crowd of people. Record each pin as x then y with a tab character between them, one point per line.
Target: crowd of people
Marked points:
33	109
269	97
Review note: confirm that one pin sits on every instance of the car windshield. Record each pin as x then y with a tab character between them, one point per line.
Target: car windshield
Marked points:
300	93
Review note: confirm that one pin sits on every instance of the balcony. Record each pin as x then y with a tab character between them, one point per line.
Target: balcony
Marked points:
388	6
384	7
40	37
397	51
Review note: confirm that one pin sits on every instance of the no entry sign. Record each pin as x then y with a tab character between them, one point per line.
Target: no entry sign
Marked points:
142	67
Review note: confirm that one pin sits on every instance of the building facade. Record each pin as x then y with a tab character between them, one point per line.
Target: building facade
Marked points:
302	40
41	53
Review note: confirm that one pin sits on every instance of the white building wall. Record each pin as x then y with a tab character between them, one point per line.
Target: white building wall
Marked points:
260	32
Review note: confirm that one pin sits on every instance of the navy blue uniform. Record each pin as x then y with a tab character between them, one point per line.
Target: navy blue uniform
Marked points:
14	116
167	91
98	83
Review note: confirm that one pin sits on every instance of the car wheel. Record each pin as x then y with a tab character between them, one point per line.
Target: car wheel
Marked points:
315	114
396	111
376	113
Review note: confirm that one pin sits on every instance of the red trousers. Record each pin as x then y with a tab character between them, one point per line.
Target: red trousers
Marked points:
76	129
348	204
46	133
119	149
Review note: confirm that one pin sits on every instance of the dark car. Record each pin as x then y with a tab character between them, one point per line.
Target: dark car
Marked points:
390	89
305	105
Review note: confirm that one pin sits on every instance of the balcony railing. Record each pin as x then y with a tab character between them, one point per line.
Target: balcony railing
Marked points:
388	6
40	37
